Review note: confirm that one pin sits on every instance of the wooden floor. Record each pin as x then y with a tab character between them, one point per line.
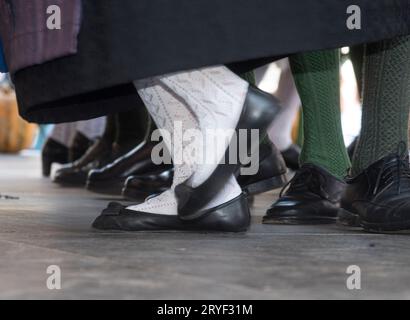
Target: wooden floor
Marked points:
49	225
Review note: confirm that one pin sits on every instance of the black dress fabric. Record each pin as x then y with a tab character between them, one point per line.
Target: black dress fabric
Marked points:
121	41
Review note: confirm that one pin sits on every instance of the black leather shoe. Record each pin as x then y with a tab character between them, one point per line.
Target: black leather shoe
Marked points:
75	174
140	187
232	216
79	146
53	152
291	156
271	175
378	199
313	197
272	172
111	178
260	109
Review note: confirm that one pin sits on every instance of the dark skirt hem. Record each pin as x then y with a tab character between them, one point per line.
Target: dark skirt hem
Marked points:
184	35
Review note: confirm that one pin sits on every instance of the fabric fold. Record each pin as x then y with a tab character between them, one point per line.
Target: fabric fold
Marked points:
27	40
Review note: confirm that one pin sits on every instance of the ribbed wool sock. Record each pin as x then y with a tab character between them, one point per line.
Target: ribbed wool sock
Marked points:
317	80
386	101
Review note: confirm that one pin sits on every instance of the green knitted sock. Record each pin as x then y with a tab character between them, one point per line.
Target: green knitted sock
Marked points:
386	100
317	80
249	76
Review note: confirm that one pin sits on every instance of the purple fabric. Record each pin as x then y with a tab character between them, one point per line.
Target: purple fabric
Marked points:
26	39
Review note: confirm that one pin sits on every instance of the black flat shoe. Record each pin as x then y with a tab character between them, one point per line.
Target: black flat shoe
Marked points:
272	174
53	152
260	109
291	156
232	216
378	199
111	178
313	197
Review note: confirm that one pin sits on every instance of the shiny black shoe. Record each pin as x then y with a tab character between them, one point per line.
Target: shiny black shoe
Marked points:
111	178
79	146
291	156
313	197
378	199
260	109
53	152
140	187
272	174
75	174
232	216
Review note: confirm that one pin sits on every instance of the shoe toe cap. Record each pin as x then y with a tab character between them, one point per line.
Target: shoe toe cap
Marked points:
290	210
104	222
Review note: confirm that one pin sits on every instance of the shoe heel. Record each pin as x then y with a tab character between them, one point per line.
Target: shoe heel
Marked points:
184	195
46	162
265	185
233	216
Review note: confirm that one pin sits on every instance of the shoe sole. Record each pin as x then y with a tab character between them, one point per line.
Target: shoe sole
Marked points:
402	228
306	220
69	184
349	219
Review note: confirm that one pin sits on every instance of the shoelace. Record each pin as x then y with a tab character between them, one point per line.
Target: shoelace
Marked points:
305	179
401	167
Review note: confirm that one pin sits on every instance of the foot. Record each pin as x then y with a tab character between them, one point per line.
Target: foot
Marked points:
271	175
258	112
232	216
165	205
111	178
313	197
75	174
378	199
